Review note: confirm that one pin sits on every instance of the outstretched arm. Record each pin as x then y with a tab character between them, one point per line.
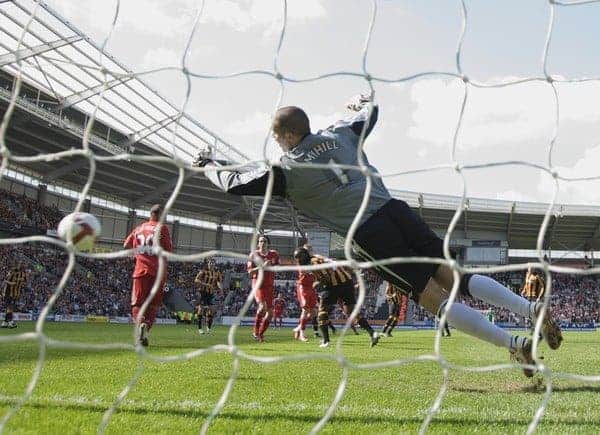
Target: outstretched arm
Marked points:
356	122
253	182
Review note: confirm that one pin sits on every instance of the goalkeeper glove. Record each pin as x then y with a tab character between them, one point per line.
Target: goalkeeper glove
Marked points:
204	158
359	101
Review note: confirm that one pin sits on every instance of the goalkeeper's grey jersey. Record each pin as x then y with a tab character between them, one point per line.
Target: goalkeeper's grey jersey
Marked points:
330	196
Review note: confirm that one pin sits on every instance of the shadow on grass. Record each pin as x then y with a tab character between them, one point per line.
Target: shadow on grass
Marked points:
537	388
19	352
258	416
421	350
541	388
255	417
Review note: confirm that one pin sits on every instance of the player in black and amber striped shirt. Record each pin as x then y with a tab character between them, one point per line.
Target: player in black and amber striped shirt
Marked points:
533	289
12	287
331	277
209	280
334	285
534	286
394	299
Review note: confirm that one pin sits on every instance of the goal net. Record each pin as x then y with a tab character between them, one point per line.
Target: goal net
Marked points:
36	54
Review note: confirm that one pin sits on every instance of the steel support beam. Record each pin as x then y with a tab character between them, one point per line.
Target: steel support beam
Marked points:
233	213
78	97
9	58
64	170
131	219
175	233
296	224
219	237
42	193
552	225
510	221
147	131
250	208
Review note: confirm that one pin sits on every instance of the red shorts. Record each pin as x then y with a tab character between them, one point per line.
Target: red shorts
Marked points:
307	299
141	289
264	295
277	313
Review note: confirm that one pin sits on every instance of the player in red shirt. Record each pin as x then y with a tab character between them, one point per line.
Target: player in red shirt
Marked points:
264	290
306	294
146	270
278	307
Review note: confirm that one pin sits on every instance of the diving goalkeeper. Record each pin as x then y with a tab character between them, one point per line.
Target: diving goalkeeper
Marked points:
387	228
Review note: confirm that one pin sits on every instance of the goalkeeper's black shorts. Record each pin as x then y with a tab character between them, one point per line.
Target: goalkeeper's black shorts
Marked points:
396	231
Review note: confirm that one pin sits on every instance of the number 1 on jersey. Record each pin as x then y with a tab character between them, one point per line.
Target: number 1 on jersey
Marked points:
339	173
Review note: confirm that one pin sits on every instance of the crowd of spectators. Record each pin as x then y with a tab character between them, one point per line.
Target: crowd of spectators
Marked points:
102	287
95	287
575	300
19	212
284	286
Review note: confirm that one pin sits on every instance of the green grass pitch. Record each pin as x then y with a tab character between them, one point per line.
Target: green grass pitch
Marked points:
77	386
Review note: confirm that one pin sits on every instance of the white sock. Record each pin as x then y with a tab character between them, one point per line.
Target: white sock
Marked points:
471	322
491	291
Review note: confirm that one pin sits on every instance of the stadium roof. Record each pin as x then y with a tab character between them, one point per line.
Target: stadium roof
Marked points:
63	75
64	72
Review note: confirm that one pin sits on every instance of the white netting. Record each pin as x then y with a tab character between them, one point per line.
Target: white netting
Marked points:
108	78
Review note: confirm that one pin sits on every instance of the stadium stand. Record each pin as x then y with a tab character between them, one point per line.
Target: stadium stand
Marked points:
21	214
100	288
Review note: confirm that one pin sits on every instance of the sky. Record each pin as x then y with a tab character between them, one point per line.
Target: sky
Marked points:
504	41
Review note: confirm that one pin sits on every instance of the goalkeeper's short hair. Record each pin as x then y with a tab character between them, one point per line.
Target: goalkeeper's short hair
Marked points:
291	119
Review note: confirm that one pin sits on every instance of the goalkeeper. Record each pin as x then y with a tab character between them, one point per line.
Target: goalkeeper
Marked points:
387	228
